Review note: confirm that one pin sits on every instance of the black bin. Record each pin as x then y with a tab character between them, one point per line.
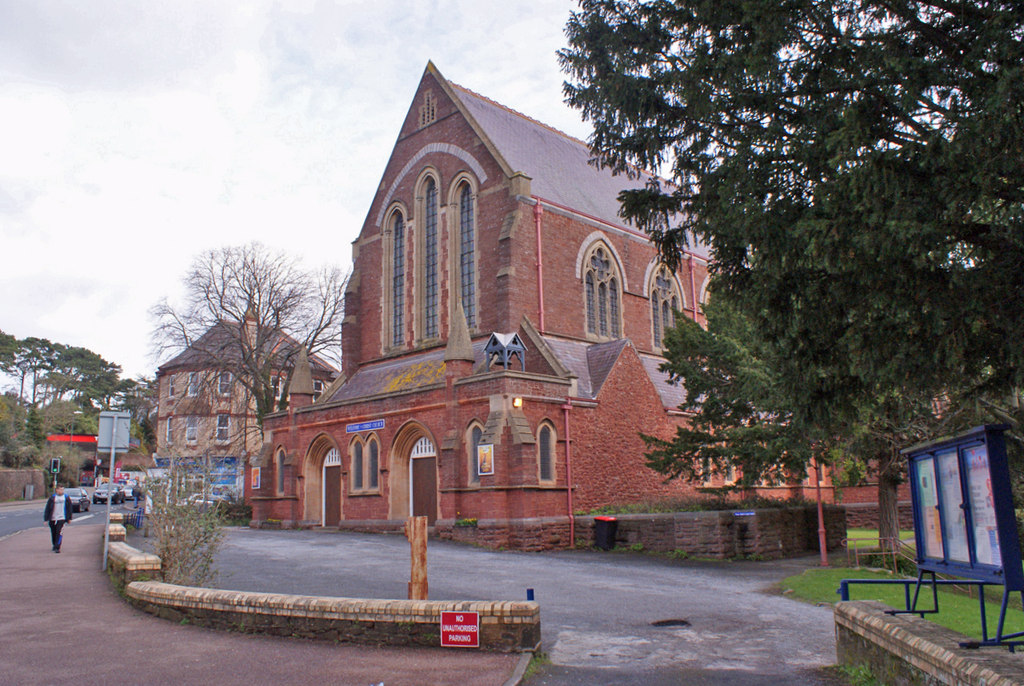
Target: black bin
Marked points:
604	532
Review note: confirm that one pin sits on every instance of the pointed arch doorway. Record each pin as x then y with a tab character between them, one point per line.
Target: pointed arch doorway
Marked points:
413	479
331	512
423	480
322	487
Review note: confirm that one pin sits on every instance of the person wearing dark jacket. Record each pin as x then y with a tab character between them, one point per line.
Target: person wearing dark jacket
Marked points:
56	513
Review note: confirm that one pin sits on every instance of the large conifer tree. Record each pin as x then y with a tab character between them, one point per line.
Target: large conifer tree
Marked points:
857	168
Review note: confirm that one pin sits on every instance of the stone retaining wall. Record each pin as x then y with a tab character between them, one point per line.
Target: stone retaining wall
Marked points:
767	533
13	482
505	626
905	649
865	515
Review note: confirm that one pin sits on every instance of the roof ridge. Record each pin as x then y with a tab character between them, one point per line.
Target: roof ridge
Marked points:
633	169
519	114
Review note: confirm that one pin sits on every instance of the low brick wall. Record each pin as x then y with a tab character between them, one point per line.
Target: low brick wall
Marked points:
126	564
505	626
905	649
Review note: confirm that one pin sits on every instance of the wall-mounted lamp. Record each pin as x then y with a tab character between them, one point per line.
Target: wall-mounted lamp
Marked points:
517	402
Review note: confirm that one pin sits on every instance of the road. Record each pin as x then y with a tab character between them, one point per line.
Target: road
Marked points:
16	517
607	618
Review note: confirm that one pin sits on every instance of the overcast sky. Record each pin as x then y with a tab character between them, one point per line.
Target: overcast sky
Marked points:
137	134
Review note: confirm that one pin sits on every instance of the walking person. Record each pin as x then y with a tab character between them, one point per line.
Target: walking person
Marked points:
56	513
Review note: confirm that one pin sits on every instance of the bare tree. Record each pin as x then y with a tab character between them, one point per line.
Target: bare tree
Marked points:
248	311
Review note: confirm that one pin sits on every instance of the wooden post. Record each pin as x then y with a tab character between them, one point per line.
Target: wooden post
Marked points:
416	532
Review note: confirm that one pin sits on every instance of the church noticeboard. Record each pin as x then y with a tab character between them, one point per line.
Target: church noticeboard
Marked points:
964	521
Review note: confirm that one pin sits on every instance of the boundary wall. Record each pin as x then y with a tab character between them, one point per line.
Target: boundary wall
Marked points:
13	482
905	649
505	626
770	533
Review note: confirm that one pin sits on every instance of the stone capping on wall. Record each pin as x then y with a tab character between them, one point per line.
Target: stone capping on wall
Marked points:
908	649
505	626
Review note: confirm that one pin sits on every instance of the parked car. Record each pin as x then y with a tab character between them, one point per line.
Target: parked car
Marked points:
79	499
105	491
128	491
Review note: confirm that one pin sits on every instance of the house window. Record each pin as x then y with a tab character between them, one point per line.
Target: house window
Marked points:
476	435
467	254
397	280
170	385
357	466
279	471
665	302
224	383
191	429
318	389
545	453
169	432
223	425
601	292
192	389
430	285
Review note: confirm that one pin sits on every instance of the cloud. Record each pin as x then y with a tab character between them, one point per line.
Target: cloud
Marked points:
138	135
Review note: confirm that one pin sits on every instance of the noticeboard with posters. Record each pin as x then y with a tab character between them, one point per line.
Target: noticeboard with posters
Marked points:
964	521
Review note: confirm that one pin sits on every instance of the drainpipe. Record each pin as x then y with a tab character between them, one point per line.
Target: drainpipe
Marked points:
568	474
822	543
693	286
538	211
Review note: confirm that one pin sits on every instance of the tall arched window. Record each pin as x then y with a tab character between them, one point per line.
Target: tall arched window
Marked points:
467	254
357	466
397	279
476	435
546	453
373	465
665	302
279	472
430	285
601	286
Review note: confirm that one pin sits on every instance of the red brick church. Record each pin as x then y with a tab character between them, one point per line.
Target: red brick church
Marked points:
502	341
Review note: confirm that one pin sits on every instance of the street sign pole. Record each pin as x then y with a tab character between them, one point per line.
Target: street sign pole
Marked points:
115	428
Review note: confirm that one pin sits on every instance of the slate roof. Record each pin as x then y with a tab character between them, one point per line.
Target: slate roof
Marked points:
589	362
558	165
219	339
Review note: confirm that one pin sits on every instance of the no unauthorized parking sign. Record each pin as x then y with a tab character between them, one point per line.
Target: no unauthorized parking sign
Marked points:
460	629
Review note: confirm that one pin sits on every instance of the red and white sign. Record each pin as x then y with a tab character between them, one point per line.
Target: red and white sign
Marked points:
460	629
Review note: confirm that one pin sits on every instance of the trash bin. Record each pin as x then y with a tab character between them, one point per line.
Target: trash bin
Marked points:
604	532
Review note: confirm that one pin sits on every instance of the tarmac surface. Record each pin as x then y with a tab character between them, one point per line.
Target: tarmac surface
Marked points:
61	622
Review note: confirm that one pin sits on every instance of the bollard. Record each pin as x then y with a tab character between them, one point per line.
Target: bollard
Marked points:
416	532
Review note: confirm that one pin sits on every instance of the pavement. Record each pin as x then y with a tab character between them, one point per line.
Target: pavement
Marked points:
62	622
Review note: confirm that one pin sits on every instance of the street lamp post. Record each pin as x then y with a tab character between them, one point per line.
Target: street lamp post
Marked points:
71	443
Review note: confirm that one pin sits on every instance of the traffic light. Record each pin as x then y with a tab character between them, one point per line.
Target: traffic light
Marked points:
54	465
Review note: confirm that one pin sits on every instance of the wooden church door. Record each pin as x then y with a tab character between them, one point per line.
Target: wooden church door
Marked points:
423	480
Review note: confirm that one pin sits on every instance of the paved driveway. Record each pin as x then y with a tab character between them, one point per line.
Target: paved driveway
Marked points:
606	617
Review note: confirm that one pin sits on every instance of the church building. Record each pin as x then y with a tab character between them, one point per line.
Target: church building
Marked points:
501	343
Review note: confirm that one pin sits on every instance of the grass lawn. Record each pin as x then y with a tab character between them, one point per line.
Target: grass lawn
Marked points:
957	611
868	538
